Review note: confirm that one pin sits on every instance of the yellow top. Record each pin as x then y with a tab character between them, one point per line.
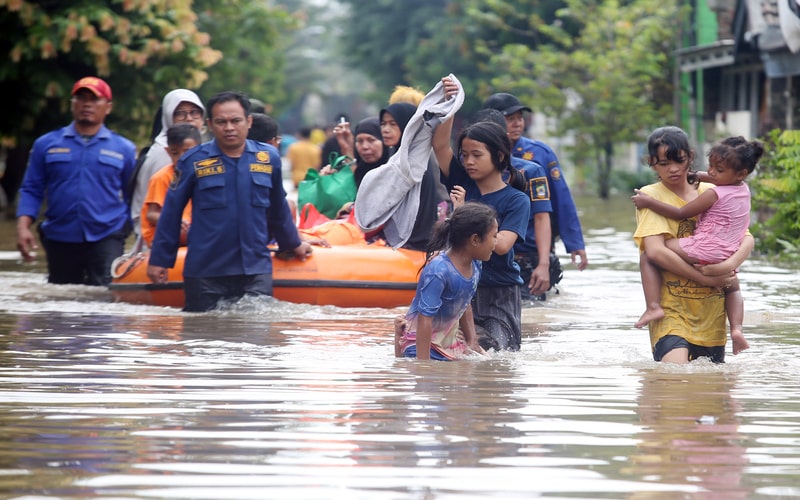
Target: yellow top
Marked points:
692	311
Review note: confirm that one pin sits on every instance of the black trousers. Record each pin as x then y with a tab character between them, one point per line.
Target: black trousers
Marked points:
203	294
86	263
527	263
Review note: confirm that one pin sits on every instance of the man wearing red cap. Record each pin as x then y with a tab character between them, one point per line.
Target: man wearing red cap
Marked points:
81	170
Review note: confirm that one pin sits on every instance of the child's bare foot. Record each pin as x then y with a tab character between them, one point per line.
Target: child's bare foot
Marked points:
739	342
651	314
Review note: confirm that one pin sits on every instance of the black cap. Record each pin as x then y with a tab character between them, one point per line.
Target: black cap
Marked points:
505	103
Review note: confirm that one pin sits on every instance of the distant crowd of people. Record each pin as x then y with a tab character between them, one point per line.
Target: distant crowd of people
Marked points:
487	209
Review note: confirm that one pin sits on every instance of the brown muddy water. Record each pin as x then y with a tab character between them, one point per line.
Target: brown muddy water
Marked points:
275	400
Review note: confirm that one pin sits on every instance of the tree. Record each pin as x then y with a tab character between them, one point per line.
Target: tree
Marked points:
414	42
141	47
776	195
251	37
605	83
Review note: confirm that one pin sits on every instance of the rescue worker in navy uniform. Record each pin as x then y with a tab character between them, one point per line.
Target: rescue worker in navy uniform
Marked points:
238	205
536	278
565	222
82	170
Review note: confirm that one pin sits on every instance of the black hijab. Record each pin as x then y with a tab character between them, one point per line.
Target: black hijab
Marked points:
402	113
372	127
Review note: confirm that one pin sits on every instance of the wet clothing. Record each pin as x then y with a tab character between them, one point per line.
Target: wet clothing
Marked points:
565	222
411	352
237	205
670	342
720	229
497	312
87	263
496	307
83	182
443	294
693	312
203	294
513	214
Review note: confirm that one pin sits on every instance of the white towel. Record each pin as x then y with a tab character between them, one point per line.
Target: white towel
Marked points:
389	195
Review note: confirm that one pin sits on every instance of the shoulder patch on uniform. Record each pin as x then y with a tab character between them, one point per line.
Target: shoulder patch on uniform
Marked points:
539	190
555	174
176	177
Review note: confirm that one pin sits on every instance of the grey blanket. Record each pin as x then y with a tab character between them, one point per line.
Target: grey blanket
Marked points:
389	195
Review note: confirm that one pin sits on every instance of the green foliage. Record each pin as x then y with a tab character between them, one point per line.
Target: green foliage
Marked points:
141	47
600	70
776	195
626	182
250	35
415	43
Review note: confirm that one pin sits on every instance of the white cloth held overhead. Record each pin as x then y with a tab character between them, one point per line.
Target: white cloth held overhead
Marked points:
389	195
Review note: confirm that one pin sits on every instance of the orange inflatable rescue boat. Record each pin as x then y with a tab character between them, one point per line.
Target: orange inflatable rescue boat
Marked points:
344	275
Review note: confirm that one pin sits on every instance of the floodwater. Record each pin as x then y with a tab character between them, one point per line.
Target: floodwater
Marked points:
275	400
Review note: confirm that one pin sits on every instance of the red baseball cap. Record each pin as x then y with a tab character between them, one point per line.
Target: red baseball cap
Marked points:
99	87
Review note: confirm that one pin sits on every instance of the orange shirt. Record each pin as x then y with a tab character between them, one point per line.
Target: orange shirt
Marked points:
156	192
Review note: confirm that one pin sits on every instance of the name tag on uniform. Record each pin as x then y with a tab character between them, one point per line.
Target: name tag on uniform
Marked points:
113	154
54	151
210	166
259	167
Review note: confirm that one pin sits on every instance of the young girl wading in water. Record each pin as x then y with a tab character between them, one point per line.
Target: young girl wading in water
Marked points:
439	323
724	216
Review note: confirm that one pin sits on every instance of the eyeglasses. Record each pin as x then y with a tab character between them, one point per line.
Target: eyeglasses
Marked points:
182	114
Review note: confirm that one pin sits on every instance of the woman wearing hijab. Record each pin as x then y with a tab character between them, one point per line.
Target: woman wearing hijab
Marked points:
393	120
178	106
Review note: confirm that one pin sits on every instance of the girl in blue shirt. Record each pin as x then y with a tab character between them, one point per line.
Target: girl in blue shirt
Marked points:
439	323
484	155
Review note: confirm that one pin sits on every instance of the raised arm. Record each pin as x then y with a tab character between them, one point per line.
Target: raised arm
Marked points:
441	136
441	145
694	207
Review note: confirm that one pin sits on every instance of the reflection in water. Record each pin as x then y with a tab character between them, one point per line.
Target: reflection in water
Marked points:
690	431
274	400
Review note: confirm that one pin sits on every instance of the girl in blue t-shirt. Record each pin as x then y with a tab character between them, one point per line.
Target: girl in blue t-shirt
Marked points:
484	155
439	322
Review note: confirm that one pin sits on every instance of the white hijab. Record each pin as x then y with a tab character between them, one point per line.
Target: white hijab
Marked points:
168	106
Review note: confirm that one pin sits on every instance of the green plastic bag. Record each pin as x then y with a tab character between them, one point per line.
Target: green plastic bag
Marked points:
328	192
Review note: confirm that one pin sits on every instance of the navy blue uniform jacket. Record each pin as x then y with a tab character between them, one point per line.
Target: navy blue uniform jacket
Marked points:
238	205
